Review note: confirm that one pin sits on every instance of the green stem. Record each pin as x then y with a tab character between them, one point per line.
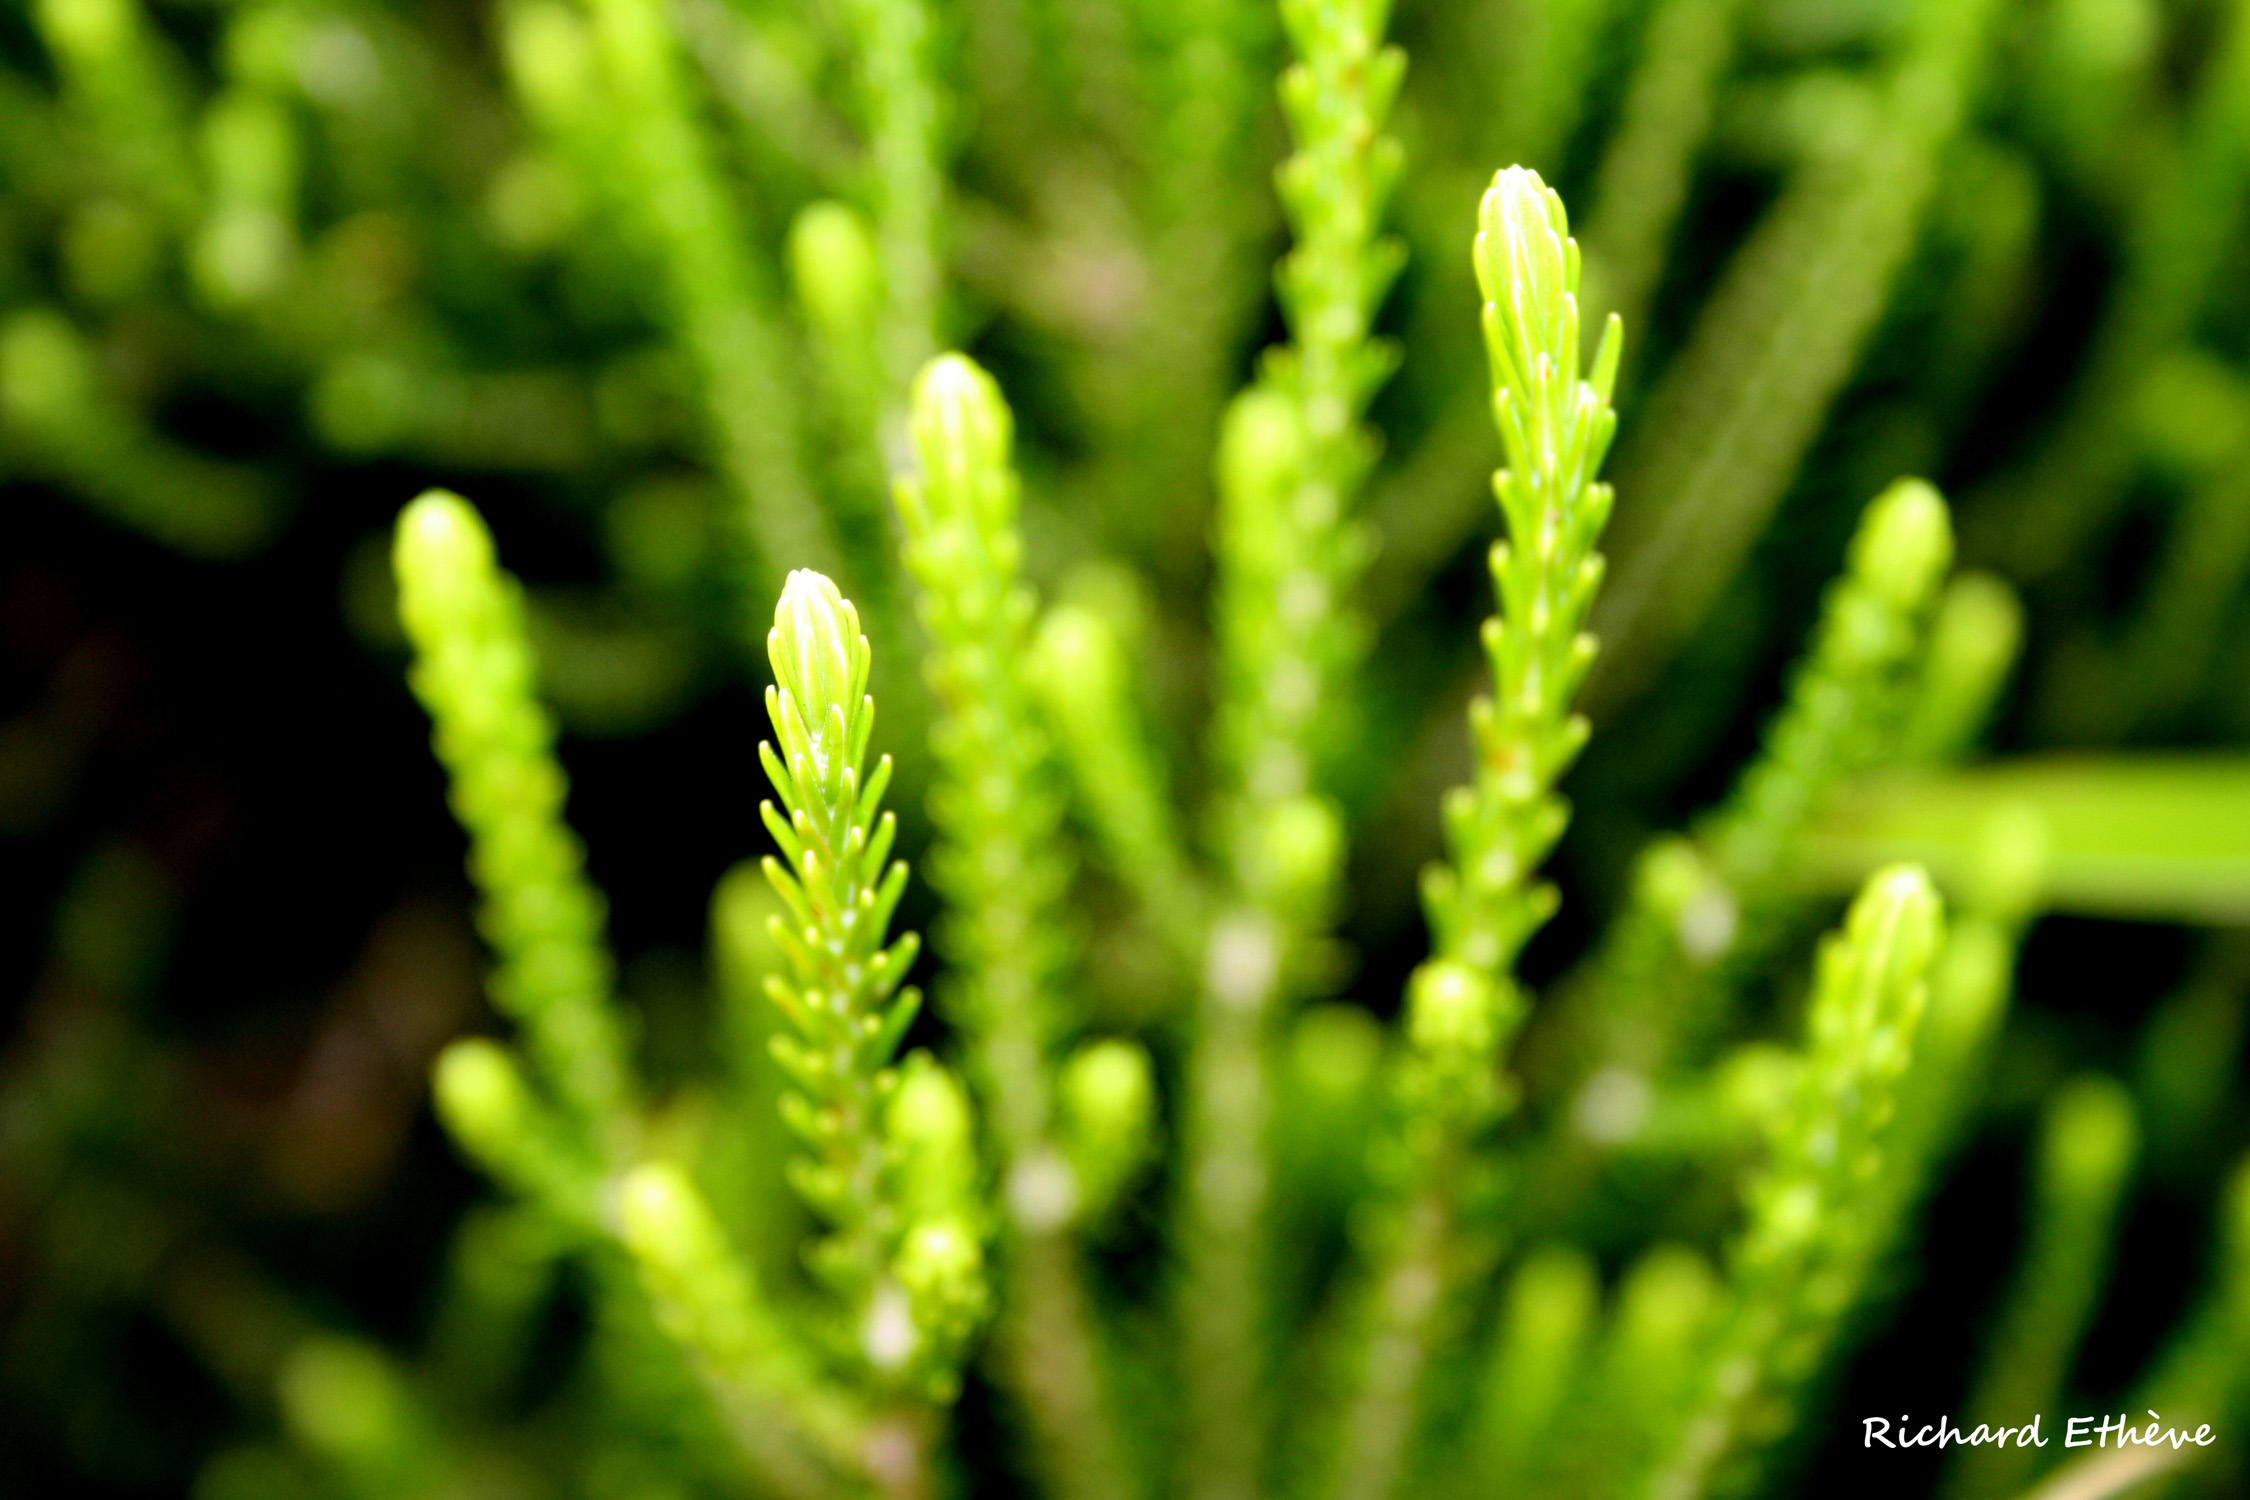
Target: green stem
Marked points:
1002	869
2175	251
1736	410
661	169
1293	459
1815	1223
900	100
1643	180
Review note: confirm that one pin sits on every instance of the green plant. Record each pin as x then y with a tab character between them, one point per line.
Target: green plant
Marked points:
1217	1166
1843	1171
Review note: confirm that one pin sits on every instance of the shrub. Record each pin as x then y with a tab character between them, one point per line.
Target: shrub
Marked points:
1652	1157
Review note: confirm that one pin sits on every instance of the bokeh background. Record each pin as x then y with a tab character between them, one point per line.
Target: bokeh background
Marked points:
270	267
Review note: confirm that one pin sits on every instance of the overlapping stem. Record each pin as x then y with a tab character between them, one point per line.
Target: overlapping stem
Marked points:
997	809
1295	452
1293	457
1001	867
900	104
1815	1225
564	1132
1702	909
2087	1143
2172	258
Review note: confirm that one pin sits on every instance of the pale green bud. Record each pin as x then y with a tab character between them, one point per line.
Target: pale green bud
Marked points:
46	372
242	253
480	1094
1261	444
551	57
962	430
342	1399
941	1265
1897	921
2087	1142
1449	1010
1665	1300
833	267
1872	985
1076	656
664	1221
1974	642
1108	1097
1668	875
820	663
1527	266
1109	1090
442	556
1904	545
932	1134
91	32
1755	1083
250	150
1297	845
2008	859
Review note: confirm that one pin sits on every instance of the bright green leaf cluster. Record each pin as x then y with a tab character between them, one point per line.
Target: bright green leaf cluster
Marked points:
1463	1003
841	997
1556	428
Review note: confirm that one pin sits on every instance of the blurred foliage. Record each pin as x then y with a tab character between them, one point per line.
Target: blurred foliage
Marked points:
1212	1169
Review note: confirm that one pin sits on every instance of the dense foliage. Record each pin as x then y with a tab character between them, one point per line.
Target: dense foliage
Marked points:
1023	472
